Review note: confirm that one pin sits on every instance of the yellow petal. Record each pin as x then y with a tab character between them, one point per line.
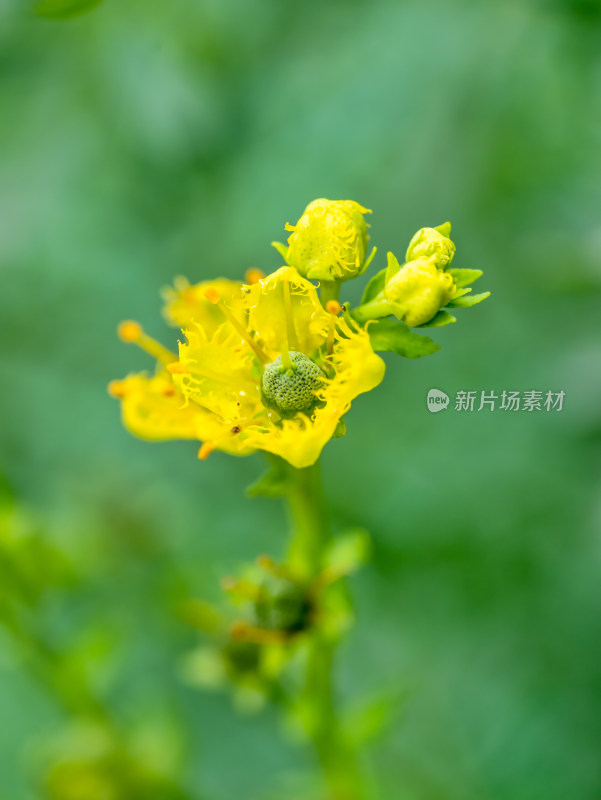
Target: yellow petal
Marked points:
187	305
300	440
152	408
216	372
269	317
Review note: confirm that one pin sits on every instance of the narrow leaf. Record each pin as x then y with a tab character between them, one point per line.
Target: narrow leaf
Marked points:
63	9
463	277
348	552
442	318
374	287
393	266
395	337
274	483
468	300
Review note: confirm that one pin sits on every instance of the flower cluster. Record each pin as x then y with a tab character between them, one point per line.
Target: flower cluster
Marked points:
271	615
267	364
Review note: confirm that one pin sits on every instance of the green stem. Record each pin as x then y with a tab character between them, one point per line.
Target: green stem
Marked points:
329	290
308	516
311	535
375	309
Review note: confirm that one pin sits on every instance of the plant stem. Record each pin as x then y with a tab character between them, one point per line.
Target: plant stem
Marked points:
310	539
375	309
329	290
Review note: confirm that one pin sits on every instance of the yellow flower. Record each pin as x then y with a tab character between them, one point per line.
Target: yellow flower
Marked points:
263	367
186	303
152	408
329	242
417	290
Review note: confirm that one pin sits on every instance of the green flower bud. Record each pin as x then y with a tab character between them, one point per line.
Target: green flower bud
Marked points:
329	242
417	291
433	243
285	606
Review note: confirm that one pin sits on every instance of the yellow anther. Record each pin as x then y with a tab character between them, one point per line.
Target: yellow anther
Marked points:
130	331
116	389
176	368
205	450
133	333
333	307
212	295
254	275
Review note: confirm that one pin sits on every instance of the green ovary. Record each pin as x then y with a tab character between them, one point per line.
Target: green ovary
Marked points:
292	389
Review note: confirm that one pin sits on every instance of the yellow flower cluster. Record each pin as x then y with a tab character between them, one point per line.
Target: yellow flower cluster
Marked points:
263	366
271	364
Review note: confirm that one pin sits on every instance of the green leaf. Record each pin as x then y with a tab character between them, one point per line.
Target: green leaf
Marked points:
442	318
282	250
463	277
349	551
395	337
374	287
274	483
63	9
393	266
468	300
372	718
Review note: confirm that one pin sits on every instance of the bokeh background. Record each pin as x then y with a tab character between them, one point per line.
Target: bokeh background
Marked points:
149	139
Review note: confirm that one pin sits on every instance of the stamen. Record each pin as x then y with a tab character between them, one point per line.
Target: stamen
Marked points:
243	632
116	389
273	568
290	328
130	331
334	308
213	297
205	450
242	588
133	333
254	275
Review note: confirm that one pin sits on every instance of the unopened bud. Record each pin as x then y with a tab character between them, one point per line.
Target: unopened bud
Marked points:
418	291
432	243
329	242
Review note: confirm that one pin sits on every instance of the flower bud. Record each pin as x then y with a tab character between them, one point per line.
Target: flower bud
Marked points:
329	242
418	291
433	243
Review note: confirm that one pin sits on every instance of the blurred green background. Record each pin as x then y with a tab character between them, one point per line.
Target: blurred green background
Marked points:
148	139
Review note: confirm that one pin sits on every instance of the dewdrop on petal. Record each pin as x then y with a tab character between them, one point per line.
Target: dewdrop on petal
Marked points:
329	242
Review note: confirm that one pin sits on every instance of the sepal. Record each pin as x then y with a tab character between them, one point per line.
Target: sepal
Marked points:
395	337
